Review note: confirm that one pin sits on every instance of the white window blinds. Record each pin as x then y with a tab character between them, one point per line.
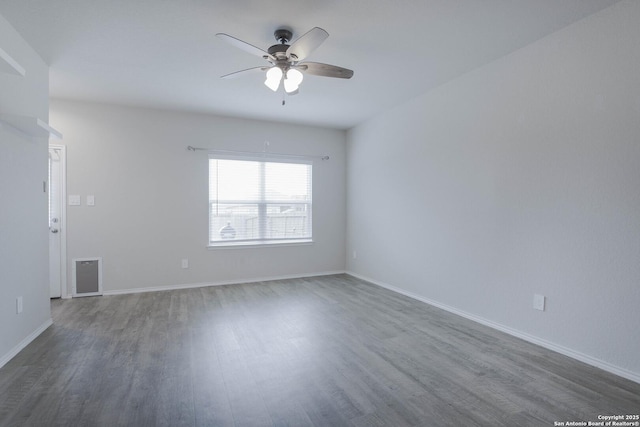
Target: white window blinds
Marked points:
258	202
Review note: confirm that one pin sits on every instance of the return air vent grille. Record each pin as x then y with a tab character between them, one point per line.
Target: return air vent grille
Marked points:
87	277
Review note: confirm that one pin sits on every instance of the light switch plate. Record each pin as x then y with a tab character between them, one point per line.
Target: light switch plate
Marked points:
91	200
74	200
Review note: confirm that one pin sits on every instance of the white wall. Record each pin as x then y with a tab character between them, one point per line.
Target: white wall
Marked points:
152	195
520	177
24	265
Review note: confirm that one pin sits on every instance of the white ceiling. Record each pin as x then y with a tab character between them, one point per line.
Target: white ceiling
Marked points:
164	53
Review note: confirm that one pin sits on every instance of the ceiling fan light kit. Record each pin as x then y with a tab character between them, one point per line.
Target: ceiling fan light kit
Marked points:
287	61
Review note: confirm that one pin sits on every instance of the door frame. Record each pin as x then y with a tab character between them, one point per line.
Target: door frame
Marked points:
64	293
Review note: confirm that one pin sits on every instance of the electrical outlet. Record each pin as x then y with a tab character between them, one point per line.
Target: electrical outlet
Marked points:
19	305
538	302
185	263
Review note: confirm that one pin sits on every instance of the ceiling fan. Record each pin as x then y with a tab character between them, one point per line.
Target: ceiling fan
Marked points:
286	62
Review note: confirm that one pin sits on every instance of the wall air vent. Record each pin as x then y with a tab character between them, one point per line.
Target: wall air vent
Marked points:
87	277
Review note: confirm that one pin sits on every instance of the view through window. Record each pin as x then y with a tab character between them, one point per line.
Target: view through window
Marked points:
258	202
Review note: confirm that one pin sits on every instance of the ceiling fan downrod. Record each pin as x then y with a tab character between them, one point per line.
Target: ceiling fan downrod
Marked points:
283	36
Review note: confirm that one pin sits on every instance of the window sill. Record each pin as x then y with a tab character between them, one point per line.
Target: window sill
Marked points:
233	245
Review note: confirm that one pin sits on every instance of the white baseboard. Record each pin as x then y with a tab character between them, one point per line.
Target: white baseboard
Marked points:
218	283
25	342
605	366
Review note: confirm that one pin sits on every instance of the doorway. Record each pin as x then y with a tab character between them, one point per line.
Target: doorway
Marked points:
57	222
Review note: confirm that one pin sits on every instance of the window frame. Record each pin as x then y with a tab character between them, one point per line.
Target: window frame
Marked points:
261	241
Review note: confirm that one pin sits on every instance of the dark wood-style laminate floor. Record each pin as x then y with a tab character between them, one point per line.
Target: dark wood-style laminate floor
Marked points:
331	351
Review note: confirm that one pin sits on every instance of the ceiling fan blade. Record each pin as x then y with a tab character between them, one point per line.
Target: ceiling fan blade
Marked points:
244	46
325	70
306	44
243	72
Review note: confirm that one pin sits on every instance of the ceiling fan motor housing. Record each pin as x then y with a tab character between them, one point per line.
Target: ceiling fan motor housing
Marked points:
278	50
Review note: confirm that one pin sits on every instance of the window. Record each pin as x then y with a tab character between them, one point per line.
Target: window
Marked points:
258	202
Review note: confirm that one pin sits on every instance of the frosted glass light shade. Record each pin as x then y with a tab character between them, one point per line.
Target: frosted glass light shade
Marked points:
274	75
292	80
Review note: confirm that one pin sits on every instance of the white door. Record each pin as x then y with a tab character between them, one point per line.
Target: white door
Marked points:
57	270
